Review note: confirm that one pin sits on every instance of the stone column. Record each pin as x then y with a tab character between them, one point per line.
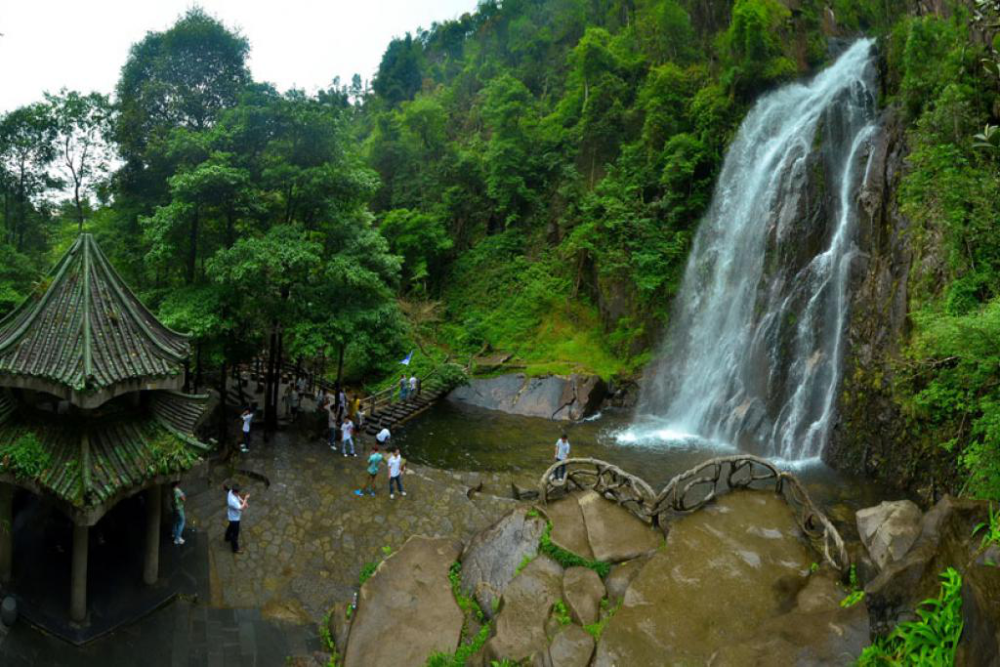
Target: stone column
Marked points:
151	566
78	581
6	532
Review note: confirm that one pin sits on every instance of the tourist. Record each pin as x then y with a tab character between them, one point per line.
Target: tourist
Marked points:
331	421
397	466
562	453
247	418
374	461
235	504
402	387
294	405
288	399
347	437
341	403
413	386
383	437
179	519
301	386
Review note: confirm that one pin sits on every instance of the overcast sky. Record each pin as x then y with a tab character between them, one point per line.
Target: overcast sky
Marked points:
82	44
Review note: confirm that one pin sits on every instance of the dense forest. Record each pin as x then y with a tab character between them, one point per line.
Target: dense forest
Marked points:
524	179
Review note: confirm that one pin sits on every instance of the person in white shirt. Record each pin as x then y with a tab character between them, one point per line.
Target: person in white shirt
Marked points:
383	437
247	418
396	468
347	438
235	504
413	386
562	453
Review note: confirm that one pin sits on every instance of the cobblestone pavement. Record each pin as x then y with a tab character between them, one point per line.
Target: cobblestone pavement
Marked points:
306	536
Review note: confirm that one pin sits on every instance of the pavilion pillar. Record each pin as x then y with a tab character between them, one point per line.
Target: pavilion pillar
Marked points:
151	566
6	532
78	581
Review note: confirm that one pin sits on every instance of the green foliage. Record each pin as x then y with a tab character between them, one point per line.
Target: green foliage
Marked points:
595	630
463	653
367	571
990	529
561	613
567	558
523	564
931	641
26	457
465	603
856	594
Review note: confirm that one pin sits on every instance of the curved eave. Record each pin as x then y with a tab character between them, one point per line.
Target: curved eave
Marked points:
91	397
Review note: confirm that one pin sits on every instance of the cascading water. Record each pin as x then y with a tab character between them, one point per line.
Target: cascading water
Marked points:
753	353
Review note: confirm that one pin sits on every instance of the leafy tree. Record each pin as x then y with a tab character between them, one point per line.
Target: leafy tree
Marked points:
421	239
27	148
399	74
83	123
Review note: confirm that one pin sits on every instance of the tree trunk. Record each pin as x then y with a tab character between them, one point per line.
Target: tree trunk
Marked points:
270	417
193	249
340	366
224	393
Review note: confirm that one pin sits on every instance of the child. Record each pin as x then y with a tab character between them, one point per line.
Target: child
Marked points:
374	461
347	439
397	465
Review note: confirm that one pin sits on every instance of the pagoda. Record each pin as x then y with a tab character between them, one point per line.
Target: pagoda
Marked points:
91	409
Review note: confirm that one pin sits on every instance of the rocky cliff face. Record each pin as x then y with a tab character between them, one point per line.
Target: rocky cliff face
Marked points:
869	435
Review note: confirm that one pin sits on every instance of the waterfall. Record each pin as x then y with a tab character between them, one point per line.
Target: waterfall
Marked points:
753	352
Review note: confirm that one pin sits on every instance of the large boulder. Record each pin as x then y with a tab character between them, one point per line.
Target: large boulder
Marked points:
524	609
408	598
945	541
721	574
552	397
492	557
614	533
583	591
889	530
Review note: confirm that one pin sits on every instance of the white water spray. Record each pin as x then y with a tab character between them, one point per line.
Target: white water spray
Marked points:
753	354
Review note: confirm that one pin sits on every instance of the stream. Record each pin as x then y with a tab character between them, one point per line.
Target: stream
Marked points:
457	436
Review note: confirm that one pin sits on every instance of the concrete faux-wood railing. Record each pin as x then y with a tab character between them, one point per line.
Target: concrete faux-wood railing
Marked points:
695	488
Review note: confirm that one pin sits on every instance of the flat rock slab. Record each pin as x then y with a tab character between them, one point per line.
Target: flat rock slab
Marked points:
724	570
614	533
572	647
569	532
492	557
524	608
407	611
582	592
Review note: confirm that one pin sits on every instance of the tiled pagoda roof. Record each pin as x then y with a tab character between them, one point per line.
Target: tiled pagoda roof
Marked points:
86	463
87	338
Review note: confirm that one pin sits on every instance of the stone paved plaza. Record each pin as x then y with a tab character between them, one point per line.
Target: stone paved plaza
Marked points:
305	538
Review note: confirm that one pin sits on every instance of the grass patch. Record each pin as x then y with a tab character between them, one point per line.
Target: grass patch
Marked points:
561	612
568	558
595	630
463	653
856	593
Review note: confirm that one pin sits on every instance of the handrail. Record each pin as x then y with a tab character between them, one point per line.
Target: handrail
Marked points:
693	489
371	403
